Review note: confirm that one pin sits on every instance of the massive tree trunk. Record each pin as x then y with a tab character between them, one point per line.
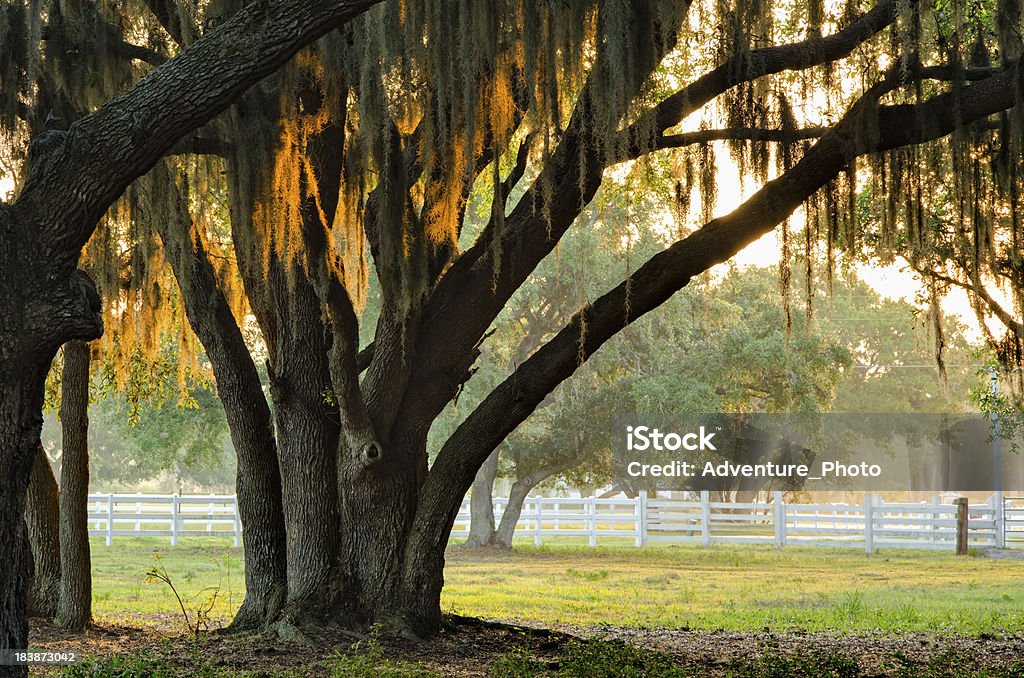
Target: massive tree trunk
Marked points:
258	479
307	437
39	302
43	517
481	504
75	607
305	414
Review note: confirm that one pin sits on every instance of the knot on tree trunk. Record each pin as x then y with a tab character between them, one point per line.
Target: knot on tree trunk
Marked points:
87	315
67	311
366	450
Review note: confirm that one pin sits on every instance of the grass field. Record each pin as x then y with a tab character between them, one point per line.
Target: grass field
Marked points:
739	588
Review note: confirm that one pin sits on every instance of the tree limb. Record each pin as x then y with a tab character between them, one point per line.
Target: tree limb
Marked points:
169	17
997	309
477	285
117	45
197	145
738	134
756	64
103	152
511	402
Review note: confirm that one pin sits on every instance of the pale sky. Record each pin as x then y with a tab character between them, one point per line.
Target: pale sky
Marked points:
894	281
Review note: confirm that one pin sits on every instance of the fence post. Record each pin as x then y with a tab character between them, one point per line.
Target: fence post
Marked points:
999	516
641	518
110	519
869	524
538	526
962	535
174	519
592	513
936	504
705	517
780	521
238	524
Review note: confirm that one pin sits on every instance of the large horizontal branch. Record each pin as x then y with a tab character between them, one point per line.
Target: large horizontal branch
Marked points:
865	129
104	152
757	64
117	45
705	136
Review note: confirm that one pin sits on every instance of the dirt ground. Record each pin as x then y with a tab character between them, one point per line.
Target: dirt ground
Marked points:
470	647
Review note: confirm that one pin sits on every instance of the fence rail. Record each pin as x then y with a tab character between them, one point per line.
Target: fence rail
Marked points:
871	525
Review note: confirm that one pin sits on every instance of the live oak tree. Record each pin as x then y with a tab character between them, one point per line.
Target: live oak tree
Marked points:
440	295
72	179
372	142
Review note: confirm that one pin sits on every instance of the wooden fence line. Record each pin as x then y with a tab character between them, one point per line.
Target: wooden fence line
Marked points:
872	525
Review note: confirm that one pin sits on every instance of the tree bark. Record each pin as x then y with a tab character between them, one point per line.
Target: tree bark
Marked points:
288	312
43	518
258	479
22	384
513	510
75	608
481	504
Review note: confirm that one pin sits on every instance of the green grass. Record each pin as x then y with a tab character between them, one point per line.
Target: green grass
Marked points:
198	569
741	588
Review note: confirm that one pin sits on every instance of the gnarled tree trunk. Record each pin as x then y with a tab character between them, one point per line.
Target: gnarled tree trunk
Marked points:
42	515
258	476
74	610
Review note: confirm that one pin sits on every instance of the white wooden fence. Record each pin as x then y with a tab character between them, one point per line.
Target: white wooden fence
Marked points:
162	515
871	525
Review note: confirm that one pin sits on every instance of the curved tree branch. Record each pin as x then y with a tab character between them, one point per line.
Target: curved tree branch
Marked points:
102	153
665	273
757	64
475	287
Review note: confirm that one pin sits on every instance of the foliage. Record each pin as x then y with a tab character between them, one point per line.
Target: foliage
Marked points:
188	445
1003	408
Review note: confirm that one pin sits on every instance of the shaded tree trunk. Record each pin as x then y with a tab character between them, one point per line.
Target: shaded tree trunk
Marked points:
75	607
378	502
481	504
22	382
307	430
42	516
258	476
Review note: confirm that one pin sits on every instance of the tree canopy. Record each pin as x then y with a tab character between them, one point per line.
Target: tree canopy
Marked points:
882	130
